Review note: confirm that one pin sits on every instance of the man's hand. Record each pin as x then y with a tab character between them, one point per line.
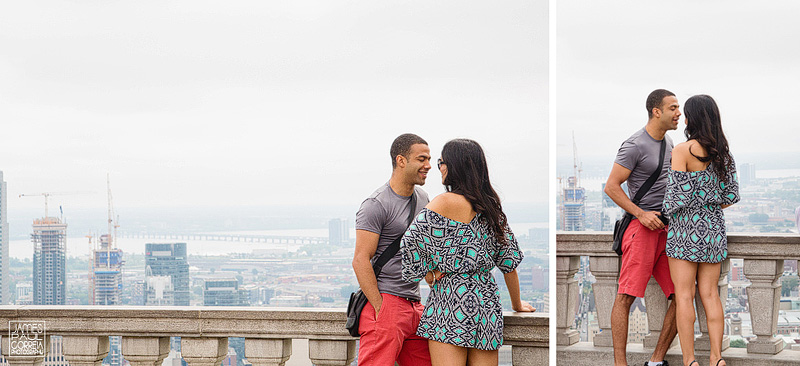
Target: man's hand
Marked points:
430	276
377	305
650	220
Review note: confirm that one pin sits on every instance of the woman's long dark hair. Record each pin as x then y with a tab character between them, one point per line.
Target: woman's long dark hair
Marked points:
703	124
468	175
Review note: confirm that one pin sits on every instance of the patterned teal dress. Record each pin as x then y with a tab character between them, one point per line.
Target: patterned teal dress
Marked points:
692	202
463	307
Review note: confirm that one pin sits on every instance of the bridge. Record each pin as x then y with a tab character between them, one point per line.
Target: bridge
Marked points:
270	239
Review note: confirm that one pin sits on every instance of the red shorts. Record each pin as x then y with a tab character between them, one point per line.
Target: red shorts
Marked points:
392	337
643	255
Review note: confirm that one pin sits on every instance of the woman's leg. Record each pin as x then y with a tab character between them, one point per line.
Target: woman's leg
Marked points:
707	280
477	357
443	354
683	275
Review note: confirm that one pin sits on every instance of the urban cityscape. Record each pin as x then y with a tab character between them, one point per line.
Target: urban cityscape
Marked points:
308	267
770	204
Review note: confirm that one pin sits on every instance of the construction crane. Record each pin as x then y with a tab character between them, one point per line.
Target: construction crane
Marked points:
47	195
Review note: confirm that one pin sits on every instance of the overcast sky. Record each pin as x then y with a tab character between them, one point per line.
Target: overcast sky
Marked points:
611	54
208	103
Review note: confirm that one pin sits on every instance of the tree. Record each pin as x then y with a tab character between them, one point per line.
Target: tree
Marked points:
758	218
788	284
738	343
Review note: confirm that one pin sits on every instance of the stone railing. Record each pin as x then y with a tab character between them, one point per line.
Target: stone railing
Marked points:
204	333
763	256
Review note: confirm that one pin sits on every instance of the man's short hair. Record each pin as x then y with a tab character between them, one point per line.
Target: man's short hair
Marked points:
656	99
402	146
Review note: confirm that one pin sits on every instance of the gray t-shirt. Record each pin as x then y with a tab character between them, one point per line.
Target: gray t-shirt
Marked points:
386	213
639	153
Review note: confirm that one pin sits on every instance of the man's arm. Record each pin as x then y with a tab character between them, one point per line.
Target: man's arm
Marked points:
620	174
366	245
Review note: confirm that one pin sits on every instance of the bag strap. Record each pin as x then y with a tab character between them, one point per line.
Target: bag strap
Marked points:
395	246
653	177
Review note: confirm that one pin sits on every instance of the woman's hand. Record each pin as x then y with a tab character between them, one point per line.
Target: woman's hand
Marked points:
433	276
523	306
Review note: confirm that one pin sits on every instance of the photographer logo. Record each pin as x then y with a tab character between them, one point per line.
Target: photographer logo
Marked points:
26	338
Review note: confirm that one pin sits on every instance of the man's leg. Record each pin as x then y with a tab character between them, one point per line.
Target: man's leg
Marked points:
619	327
381	341
668	331
663	275
415	348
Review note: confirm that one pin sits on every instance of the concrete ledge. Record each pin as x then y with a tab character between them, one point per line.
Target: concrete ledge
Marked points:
531	329
584	353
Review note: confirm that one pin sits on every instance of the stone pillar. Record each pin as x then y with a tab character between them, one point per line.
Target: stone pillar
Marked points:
763	297
267	352
145	351
35	360
703	343
324	352
567	300
530	356
656	304
606	271
85	350
204	351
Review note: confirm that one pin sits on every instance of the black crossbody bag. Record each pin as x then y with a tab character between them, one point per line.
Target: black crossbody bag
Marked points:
357	299
622	224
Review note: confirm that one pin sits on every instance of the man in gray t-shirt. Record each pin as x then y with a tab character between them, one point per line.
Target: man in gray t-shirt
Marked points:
389	321
644	242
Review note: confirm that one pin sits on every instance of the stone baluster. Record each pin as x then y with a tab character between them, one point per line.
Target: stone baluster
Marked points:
202	351
145	351
16	360
85	350
324	352
567	300
606	272
703	343
656	304
763	297
267	352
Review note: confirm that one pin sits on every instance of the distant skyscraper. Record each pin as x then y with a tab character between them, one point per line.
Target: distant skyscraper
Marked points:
573	206
166	260
338	231
747	173
224	292
106	274
49	261
5	294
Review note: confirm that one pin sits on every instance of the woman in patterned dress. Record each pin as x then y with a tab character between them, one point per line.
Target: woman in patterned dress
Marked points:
702	182
455	242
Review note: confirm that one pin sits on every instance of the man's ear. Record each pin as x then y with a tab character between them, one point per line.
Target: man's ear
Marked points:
657	112
400	160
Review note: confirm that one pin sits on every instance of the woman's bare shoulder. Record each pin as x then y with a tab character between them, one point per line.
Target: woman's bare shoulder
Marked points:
451	205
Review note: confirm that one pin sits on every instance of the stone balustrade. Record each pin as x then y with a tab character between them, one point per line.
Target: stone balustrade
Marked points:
204	333
763	256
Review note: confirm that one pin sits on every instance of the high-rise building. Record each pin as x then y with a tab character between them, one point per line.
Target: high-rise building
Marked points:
106	281
338	232
5	294
573	206
747	173
224	292
166	260
49	261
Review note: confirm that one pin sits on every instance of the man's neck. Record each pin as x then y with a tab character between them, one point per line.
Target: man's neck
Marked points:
400	186
654	131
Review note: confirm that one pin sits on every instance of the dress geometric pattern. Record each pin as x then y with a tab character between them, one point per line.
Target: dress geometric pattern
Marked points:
692	202
463	307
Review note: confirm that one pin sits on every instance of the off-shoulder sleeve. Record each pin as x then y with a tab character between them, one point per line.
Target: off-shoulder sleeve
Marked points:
417	245
730	190
679	193
509	256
